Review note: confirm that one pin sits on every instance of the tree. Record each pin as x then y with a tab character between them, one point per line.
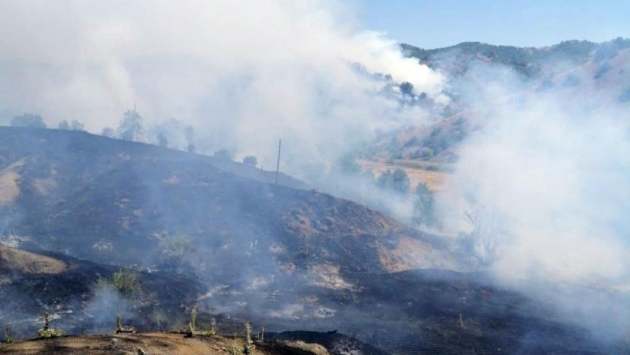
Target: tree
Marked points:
423	209
223	154
398	181
76	125
483	241
347	165
406	88
384	180
250	160
130	126
190	139
162	140
28	120
63	125
108	132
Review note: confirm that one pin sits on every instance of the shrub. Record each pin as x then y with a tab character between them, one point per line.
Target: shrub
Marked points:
127	282
47	331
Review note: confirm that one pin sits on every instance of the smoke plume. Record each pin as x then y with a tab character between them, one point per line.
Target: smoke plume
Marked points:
546	176
242	73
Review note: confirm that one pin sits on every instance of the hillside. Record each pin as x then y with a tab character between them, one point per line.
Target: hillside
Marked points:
33	283
76	208
574	69
113	201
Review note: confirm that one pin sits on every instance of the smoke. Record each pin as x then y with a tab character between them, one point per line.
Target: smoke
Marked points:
554	167
105	305
242	73
546	176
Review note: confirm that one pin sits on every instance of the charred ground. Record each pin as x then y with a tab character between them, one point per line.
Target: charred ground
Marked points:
216	236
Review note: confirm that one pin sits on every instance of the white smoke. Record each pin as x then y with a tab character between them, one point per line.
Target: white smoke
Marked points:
243	73
553	169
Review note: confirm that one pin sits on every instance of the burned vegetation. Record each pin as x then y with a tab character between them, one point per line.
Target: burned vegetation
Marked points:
126	239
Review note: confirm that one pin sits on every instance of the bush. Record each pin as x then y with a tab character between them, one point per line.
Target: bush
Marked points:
50	333
127	282
124	281
47	331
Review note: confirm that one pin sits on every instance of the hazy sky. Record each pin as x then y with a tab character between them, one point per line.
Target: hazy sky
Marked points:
440	23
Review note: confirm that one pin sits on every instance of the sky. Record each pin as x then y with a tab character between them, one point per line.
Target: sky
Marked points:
441	23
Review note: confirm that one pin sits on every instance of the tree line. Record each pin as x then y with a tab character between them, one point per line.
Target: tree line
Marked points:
130	128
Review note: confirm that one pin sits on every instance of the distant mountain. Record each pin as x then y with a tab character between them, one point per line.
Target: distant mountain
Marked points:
580	67
528	61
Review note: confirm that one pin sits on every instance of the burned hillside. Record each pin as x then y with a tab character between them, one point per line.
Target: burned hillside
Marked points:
201	237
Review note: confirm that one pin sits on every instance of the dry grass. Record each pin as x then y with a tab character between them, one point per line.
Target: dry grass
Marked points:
436	180
9	188
150	343
29	263
411	254
307	347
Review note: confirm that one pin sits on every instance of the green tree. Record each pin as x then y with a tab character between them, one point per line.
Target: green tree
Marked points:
384	180
28	120
250	160
400	181
76	126
162	140
130	126
406	88
190	139
63	125
396	181
424	209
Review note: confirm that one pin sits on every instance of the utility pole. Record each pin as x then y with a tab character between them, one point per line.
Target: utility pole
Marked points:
278	165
